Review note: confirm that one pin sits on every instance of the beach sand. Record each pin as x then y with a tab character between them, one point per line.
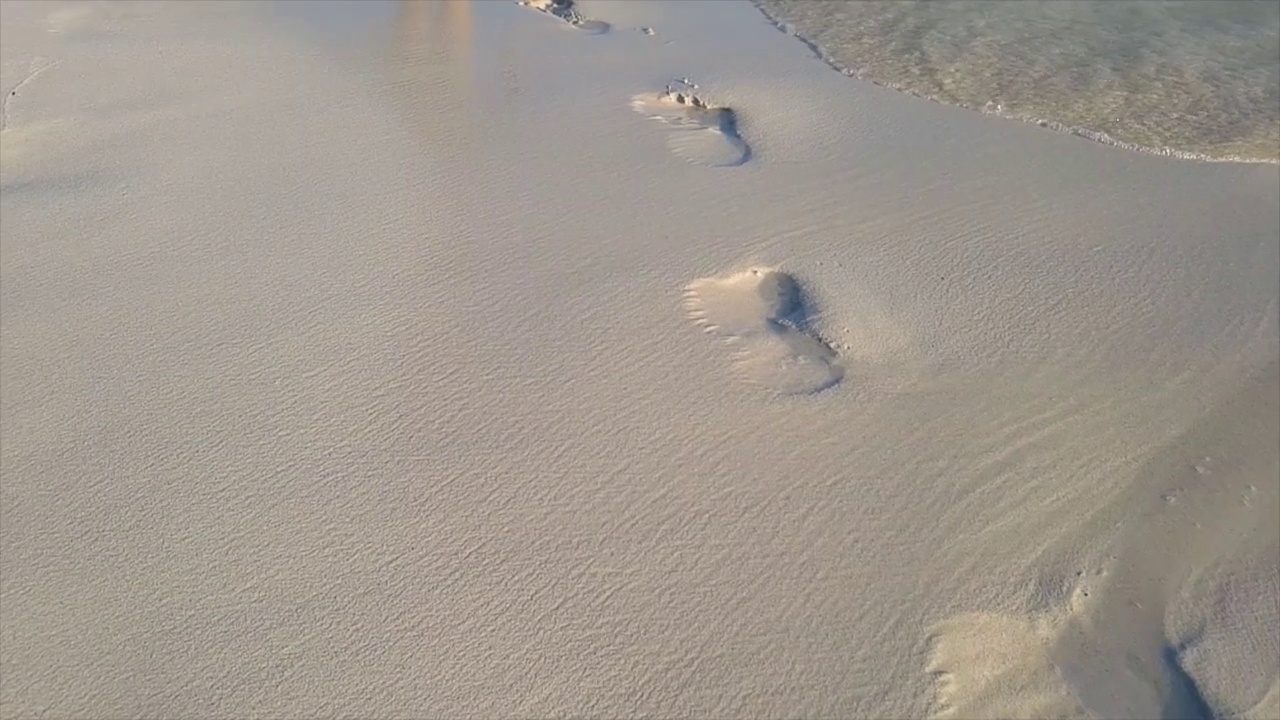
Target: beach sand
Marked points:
380	359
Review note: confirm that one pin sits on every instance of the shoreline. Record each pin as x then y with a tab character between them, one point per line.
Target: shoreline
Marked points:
788	28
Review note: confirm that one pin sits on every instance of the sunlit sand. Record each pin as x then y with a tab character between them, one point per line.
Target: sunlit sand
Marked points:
381	360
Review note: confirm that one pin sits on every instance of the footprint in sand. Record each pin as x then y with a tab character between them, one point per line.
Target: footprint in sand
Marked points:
1106	643
761	315
565	10
698	131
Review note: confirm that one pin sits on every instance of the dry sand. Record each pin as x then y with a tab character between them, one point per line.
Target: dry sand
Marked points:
347	370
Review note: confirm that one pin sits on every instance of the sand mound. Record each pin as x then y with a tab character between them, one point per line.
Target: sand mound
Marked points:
761	314
993	666
1120	645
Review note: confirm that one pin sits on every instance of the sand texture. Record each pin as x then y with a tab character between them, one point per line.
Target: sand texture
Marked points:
379	359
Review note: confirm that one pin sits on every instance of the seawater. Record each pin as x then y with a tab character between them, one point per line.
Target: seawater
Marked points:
1191	79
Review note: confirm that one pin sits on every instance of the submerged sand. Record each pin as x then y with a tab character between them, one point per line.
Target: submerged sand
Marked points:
347	368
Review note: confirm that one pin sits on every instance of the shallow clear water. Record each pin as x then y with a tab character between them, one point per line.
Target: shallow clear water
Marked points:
1198	79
